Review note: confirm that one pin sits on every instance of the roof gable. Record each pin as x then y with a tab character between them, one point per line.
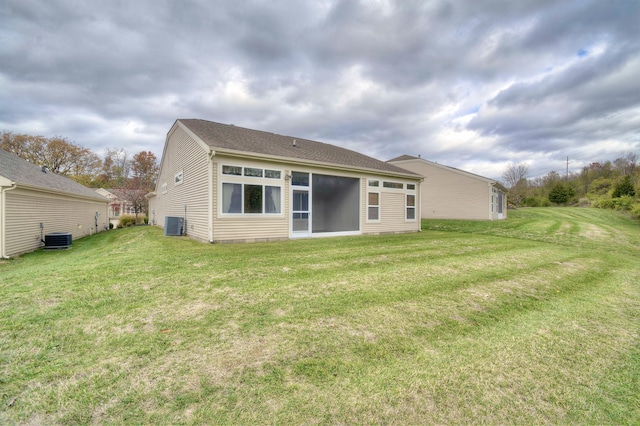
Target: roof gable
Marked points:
224	137
24	173
418	160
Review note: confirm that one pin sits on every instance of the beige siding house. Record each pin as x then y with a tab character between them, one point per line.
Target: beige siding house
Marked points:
35	201
228	183
449	193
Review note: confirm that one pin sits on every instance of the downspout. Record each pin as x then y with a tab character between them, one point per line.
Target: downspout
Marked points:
3	225
212	153
490	201
419	206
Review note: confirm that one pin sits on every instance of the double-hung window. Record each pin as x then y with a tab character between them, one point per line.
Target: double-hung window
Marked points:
411	207
373	207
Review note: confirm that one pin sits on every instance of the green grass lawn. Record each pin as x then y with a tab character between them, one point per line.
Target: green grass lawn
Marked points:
535	319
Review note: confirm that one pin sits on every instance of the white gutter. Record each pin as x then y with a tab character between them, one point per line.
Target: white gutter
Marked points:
3	214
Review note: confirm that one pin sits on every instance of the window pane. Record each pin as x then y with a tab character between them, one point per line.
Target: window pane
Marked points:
300	201
411	186
272	174
253	198
411	213
394	185
373	198
272	199
300	221
300	179
232	170
373	213
177	179
249	171
231	198
374	183
411	200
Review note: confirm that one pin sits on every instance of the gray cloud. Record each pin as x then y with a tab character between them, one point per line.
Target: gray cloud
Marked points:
470	84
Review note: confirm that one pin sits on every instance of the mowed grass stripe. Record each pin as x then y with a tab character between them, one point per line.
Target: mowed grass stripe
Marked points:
473	322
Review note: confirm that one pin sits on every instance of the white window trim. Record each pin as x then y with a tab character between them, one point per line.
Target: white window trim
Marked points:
178	178
243	183
407	207
379	219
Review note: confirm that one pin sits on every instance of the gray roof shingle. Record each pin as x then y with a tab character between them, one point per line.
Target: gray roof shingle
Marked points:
224	136
25	173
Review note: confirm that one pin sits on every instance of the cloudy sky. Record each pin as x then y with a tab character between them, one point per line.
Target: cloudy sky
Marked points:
470	84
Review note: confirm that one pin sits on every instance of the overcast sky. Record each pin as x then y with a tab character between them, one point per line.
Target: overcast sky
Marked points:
470	84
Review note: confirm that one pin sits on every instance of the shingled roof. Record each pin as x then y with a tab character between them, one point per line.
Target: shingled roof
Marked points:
223	137
24	173
411	157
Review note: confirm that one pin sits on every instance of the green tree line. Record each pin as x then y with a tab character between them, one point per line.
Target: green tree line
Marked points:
607	184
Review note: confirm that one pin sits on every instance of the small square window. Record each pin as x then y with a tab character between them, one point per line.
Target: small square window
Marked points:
178	178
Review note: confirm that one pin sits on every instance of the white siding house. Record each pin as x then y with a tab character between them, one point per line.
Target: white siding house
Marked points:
230	183
449	193
35	201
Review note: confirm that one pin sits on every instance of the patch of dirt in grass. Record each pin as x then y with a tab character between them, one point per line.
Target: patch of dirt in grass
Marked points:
593	232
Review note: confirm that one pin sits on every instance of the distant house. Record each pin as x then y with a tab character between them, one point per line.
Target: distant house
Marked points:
34	201
449	193
120	202
229	183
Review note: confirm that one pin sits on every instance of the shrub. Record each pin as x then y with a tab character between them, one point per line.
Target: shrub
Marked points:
127	220
604	203
624	188
545	202
635	211
624	203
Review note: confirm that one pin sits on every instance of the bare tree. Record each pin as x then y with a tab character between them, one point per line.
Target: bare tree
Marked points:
514	173
515	178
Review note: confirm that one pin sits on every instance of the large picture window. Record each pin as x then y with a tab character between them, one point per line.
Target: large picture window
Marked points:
241	198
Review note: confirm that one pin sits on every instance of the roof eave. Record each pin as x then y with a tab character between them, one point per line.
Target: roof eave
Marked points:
99	199
280	159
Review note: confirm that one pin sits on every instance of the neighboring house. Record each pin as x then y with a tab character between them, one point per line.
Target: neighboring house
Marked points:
449	193
230	183
35	201
120	203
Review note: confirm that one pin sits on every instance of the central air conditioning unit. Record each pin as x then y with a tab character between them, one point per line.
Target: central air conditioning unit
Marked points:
173	225
57	240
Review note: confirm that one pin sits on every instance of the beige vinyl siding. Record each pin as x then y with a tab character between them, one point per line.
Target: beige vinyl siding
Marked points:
454	196
448	193
25	209
184	155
